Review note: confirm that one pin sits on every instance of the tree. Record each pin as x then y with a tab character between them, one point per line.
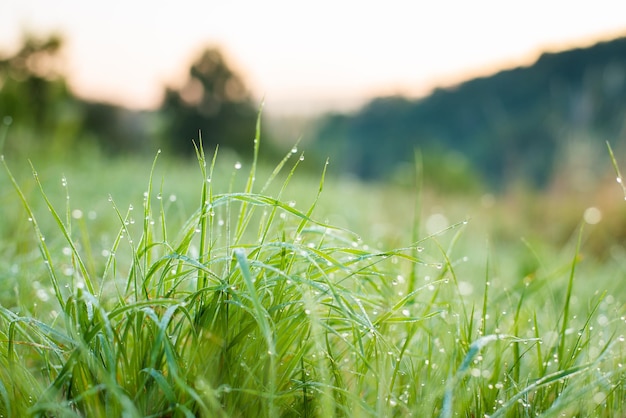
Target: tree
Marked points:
32	91
214	101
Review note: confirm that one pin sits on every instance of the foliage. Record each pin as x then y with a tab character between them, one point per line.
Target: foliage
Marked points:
215	101
33	93
36	101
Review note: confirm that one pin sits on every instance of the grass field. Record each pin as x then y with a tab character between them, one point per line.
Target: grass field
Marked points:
226	288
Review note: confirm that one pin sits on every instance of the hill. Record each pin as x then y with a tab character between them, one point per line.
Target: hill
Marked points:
517	125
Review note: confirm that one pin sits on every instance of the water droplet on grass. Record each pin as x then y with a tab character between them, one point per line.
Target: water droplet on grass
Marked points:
237	165
43	295
592	215
294	150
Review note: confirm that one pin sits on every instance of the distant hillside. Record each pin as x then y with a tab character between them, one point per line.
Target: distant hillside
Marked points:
510	126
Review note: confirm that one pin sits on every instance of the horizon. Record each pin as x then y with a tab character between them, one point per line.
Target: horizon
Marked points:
303	61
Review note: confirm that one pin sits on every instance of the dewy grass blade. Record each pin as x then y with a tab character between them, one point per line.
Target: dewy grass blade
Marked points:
45	253
309	213
620	179
264	325
147	238
66	234
244	216
568	298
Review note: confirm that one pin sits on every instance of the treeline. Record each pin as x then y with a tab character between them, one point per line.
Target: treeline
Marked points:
43	114
514	126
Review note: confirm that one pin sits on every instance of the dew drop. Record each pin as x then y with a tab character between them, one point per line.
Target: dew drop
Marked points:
294	150
237	165
592	215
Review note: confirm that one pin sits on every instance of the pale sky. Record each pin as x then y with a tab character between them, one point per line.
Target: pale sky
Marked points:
304	56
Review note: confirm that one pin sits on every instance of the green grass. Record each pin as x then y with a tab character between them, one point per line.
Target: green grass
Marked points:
256	304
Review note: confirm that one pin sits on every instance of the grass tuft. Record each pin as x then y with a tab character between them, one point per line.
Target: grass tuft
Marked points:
251	306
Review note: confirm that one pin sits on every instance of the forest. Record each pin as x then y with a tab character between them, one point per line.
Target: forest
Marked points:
519	125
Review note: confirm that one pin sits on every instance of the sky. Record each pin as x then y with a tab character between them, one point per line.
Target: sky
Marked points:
304	57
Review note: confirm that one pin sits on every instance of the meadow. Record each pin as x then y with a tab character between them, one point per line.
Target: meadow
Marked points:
225	288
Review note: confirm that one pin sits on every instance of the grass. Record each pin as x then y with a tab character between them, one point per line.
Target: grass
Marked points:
250	305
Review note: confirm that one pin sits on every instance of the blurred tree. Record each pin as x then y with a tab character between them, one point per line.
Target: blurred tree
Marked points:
33	93
214	101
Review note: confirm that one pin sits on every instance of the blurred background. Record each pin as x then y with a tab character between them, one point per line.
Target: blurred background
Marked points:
490	96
